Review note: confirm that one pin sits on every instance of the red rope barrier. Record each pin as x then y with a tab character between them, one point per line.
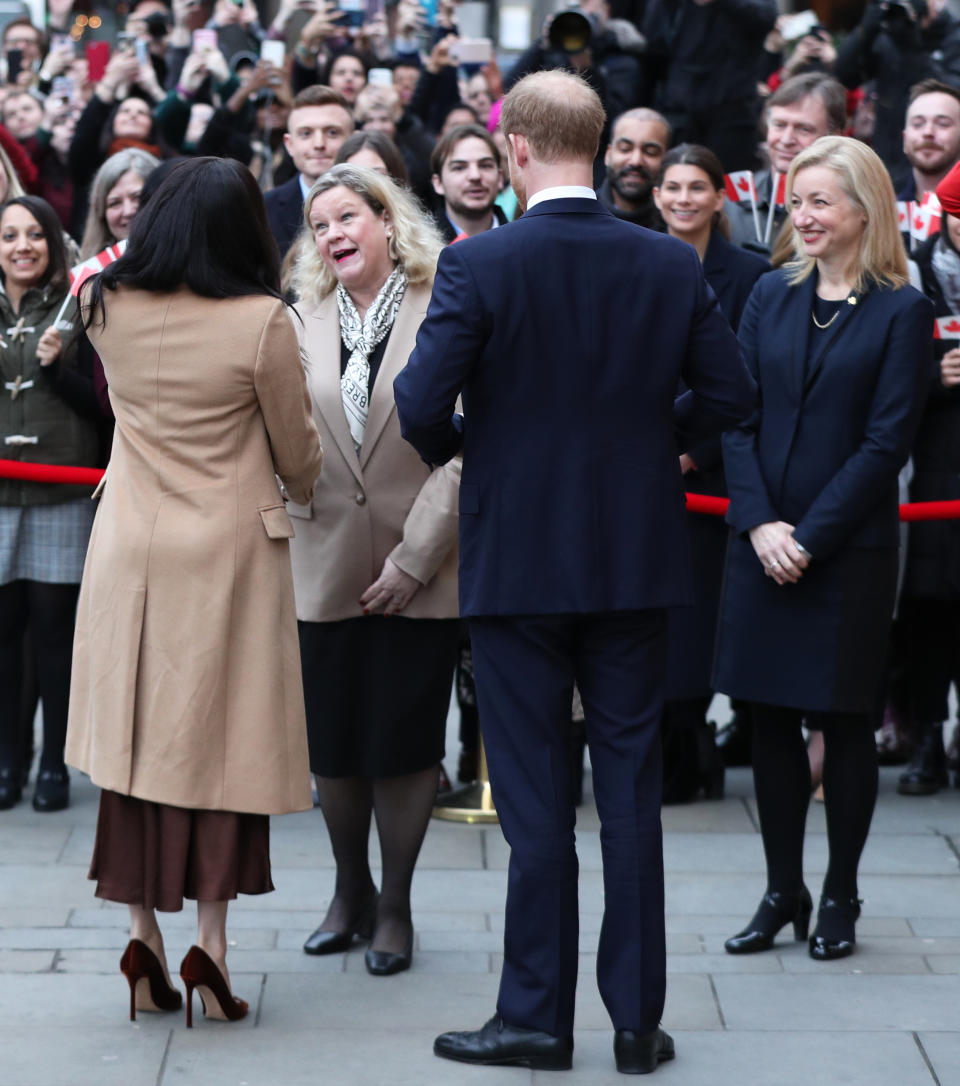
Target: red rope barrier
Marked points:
704	503
696	503
49	473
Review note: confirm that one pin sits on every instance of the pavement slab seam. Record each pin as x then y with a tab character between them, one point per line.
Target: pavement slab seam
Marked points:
164	1058
926	1058
716	1002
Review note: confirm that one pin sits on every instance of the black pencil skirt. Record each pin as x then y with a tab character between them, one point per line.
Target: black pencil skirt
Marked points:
377	691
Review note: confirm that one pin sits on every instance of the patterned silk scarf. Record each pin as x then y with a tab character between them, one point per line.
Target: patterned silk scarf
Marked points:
360	337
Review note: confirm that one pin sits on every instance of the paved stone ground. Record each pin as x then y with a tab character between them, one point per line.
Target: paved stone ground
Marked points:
888	1016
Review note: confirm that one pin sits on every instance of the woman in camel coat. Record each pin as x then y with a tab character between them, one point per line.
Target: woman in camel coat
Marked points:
187	704
375	556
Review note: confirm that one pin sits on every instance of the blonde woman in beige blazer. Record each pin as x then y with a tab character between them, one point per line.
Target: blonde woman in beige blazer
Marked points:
374	557
186	704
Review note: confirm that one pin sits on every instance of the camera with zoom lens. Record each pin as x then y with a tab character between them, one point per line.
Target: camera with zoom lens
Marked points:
572	31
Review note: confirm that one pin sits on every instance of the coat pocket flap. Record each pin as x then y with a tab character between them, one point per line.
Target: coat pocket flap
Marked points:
276	522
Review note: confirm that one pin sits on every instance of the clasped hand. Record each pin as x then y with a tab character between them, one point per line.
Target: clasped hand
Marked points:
390	592
49	346
778	551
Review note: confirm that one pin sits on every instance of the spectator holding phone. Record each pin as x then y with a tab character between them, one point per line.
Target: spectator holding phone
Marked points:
23	47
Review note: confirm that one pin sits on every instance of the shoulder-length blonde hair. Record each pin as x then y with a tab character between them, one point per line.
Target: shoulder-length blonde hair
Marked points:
414	245
14	188
881	258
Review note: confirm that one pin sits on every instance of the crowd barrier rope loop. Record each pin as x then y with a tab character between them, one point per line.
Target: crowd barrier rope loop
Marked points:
696	503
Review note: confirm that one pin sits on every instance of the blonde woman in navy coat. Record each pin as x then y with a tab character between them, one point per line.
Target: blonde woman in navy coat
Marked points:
840	347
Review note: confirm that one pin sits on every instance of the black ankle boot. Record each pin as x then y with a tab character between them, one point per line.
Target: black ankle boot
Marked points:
775	912
52	790
927	771
834	935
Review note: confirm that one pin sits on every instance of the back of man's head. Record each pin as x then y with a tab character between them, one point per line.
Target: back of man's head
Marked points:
558	113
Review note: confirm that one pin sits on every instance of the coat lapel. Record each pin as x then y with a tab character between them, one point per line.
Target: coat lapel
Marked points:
401	342
323	376
801	334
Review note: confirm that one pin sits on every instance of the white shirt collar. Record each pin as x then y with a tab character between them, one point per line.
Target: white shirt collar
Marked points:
561	192
305	186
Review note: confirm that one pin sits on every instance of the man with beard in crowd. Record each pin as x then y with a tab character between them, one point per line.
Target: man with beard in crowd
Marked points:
466	177
638	140
931	136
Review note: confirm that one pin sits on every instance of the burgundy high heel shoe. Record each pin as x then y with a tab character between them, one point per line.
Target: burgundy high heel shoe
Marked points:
198	970
139	963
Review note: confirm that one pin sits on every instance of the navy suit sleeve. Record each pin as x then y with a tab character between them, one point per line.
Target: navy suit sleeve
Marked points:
750	503
721	391
449	343
895	411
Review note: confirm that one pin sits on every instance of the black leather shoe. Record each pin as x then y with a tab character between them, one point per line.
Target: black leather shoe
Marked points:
333	942
52	790
11	788
775	912
927	771
384	963
639	1053
834	935
509	1046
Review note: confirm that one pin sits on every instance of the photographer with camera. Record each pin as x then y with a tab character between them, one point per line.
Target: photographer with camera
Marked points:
897	44
584	39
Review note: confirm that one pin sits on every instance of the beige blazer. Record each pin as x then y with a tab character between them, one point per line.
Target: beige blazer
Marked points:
384	502
186	682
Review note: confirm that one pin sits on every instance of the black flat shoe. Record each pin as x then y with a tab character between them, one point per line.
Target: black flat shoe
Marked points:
927	772
52	790
333	942
11	788
507	1046
775	912
835	935
384	963
639	1053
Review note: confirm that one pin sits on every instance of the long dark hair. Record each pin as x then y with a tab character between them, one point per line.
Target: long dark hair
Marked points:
56	274
205	228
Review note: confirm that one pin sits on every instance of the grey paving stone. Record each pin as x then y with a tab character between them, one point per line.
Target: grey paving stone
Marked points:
41	916
761	1059
935	926
26	961
25	885
839	1001
53	938
56	1056
862	962
943	1051
348	1056
40	844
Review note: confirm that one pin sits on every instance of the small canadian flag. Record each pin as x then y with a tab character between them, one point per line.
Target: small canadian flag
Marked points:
781	195
740	187
923	222
947	327
80	273
903	215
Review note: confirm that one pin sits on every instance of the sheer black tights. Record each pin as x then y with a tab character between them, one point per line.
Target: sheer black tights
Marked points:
781	774
401	806
49	610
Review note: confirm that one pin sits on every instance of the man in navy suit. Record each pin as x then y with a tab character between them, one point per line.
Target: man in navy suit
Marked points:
319	122
567	332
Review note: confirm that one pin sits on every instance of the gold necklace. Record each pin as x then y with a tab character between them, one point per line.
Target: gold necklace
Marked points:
823	327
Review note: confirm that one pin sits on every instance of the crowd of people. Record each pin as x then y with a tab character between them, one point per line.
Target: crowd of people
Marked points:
357	157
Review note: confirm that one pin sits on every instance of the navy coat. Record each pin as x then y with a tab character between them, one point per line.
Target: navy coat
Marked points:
568	331
285	212
822	453
731	273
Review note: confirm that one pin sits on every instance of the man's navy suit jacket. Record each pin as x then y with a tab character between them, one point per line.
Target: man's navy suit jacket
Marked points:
567	332
285	212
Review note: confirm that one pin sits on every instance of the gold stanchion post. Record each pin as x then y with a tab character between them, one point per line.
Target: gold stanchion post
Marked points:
471	803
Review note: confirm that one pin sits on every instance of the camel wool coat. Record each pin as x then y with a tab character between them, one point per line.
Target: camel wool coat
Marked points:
386	502
186	686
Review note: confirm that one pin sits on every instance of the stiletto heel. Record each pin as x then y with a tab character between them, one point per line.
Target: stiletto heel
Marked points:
199	971
776	911
139	963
